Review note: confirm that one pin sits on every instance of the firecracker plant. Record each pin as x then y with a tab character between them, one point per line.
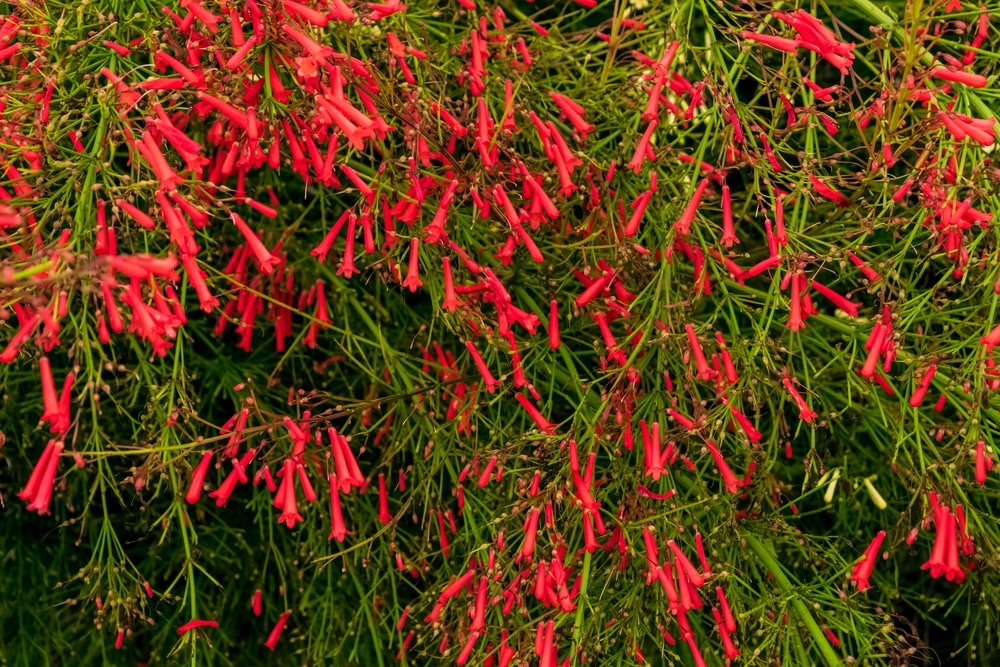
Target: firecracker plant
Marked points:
602	332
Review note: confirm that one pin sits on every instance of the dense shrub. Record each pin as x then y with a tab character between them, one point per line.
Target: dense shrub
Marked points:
587	333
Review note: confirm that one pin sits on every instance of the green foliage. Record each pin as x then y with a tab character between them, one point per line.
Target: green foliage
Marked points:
390	369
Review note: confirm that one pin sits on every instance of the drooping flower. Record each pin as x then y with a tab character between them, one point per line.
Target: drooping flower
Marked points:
729	480
38	490
197	484
384	516
289	501
338	530
275	636
683	224
925	382
862	571
412	281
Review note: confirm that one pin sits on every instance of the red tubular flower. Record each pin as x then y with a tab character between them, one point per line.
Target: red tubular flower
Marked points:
730	480
705	372
960	127
450	302
347	468
728	229
729	621
699	661
805	413
818	38
877	337
435	232
198	478
795	321
347	268
151	153
640	204
748	428
727	360
639	157
651	112
307	14
683	224
50	401
543	424
761	266
140	218
700	547
925	382
838	300
553	327
943	523
684	421
828	192
992	339
412	281
38	490
289	503
958	76
665	575
196	623
530	531
275	636
237	475
862	571
690	571
484	370
727	641
981	462
256	603
773	41
652	554
952	569
236	60
338	530
17	340
265	259
466	652
573	112
869	273
384	516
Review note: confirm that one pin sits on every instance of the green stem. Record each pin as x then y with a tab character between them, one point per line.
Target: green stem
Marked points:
763	551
